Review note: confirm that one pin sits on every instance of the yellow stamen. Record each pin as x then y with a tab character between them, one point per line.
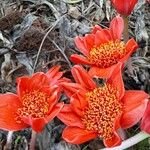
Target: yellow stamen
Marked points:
107	54
35	104
103	109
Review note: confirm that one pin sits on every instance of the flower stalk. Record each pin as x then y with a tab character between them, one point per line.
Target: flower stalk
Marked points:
126	27
33	140
130	142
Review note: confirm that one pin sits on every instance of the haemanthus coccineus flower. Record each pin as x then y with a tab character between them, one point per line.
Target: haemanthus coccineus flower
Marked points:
124	7
103	48
35	104
99	110
145	123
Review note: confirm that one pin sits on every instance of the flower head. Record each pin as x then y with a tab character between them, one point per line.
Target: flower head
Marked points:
99	110
103	48
124	7
35	103
145	123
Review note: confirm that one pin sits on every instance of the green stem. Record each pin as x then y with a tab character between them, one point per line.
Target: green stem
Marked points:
33	140
126	27
130	142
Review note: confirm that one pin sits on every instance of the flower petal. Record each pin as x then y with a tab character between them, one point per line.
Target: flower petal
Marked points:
116	27
51	73
131	6
9	103
116	79
79	41
101	73
135	103
72	88
77	135
145	123
101	37
37	124
55	111
78	59
22	85
54	75
38	79
131	46
89	41
79	103
119	6
29	83
53	99
81	76
96	28
124	7
115	141
70	118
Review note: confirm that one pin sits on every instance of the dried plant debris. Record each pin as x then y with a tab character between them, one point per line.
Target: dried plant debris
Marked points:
7	22
31	40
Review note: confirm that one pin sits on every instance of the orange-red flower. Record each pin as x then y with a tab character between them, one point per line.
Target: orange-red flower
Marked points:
124	7
145	124
103	48
99	110
35	103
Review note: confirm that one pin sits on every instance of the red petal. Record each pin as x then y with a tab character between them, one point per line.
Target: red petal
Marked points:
36	82
8	107
78	103
78	59
81	76
70	118
89	41
54	99
101	37
101	73
79	41
96	28
116	79
37	124
124	7
116	27
53	71
135	103
131	46
145	124
54	75
55	111
108	34
77	135
131	6
22	85
39	79
72	88
115	141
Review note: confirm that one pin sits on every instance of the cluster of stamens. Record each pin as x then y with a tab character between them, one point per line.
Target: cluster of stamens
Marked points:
35	104
107	54
103	108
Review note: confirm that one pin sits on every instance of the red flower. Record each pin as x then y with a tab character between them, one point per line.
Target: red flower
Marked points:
99	110
103	48
124	7
145	124
35	103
